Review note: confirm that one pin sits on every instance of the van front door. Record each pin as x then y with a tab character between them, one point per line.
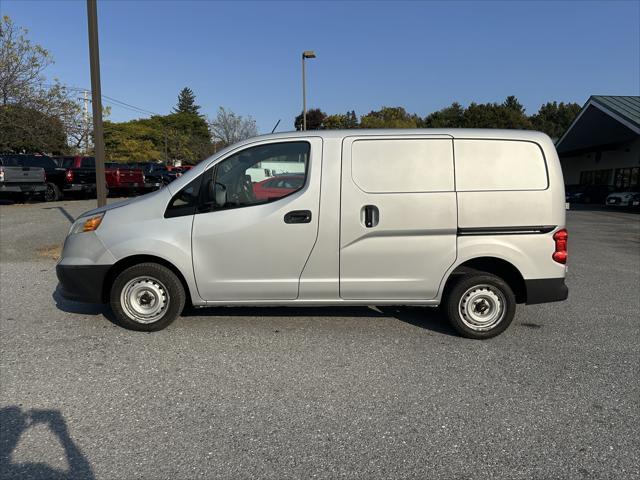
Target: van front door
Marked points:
398	218
250	242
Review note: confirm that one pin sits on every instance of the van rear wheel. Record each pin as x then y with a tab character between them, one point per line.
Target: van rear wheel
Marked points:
480	305
147	297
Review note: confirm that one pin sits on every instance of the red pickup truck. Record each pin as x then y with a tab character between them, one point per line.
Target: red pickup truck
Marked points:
81	175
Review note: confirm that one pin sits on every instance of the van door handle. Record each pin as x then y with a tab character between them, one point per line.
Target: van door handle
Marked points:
298	216
371	216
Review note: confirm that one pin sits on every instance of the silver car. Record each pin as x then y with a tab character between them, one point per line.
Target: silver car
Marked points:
469	220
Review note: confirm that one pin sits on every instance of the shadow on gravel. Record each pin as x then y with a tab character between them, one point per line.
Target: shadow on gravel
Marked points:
64	212
14	422
69	306
427	318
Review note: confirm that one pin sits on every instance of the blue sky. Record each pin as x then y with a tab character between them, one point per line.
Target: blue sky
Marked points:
419	55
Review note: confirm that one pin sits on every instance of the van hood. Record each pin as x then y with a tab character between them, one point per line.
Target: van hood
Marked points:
121	203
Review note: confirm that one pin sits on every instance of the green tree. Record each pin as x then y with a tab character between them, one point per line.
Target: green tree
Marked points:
185	136
341	121
510	114
449	117
554	118
24	129
389	117
187	102
315	120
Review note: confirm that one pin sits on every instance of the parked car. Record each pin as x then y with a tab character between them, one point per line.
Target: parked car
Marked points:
277	187
621	199
19	180
587	193
55	176
475	231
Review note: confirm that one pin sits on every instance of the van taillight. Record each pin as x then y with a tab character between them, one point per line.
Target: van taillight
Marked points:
69	176
560	237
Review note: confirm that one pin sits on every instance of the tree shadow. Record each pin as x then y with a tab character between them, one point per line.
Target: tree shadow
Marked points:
15	422
427	318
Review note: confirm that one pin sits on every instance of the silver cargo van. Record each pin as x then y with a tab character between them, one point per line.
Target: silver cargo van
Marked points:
471	220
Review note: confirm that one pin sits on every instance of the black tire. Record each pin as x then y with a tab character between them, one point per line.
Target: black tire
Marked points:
154	280
486	291
52	193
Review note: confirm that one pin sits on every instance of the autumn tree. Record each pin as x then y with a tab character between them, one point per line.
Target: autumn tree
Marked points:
341	121
228	128
389	117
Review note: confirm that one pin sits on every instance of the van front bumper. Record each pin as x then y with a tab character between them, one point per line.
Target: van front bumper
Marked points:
82	283
546	290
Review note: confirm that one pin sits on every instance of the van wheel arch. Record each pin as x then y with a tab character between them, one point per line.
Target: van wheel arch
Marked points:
124	263
496	266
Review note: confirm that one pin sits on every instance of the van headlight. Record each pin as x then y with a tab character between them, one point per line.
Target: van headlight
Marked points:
86	224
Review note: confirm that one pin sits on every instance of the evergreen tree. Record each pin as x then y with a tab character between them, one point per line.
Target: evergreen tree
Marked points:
187	102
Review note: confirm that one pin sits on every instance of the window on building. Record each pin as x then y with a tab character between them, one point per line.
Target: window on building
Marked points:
627	178
595	177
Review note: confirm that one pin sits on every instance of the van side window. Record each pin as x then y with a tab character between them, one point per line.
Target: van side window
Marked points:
185	201
495	165
255	176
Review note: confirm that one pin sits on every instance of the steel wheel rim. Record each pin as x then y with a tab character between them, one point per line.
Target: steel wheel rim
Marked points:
482	307
144	299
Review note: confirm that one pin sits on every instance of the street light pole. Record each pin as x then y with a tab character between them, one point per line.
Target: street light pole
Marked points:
306	54
96	101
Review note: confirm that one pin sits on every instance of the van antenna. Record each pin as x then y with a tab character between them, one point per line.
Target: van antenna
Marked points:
277	123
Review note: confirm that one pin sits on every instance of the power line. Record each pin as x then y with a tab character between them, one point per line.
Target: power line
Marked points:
113	101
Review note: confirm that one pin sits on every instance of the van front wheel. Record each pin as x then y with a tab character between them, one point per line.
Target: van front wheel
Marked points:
147	297
480	305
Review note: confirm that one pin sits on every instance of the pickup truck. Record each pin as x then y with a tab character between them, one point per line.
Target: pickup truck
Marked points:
156	174
123	178
55	176
18	179
81	175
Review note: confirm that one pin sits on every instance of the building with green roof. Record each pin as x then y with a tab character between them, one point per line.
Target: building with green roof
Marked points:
602	145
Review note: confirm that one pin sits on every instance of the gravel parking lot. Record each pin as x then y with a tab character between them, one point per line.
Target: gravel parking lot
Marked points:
299	393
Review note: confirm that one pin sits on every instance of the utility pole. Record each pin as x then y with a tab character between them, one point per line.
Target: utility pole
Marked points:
85	119
96	96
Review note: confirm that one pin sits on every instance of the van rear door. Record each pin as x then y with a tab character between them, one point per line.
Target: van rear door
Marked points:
398	216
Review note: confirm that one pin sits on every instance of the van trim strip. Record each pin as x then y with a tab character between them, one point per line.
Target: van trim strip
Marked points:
522	230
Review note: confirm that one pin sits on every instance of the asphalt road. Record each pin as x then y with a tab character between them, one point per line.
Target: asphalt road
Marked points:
319	393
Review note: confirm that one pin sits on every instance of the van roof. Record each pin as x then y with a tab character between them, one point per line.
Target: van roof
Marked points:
505	134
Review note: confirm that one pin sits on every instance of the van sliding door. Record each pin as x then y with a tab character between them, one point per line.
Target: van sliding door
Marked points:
398	218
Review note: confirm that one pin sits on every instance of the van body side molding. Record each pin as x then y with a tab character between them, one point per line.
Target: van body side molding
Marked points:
520	230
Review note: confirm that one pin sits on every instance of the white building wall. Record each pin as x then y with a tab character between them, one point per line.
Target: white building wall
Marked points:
627	155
